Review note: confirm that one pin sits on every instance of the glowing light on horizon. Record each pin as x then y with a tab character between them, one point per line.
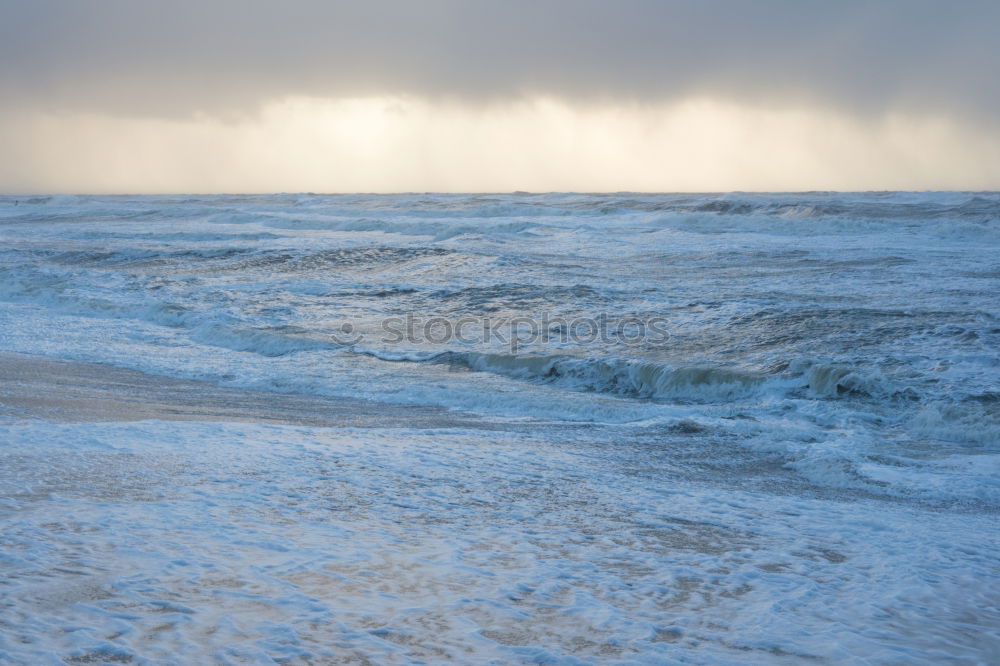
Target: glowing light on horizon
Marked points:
387	144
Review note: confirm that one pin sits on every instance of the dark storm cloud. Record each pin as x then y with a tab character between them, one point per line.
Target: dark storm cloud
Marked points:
227	56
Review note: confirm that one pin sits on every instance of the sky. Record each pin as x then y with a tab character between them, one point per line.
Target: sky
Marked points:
133	96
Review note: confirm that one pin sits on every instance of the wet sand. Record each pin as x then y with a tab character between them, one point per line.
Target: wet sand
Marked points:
41	388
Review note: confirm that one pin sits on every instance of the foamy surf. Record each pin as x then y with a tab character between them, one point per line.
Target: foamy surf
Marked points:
721	409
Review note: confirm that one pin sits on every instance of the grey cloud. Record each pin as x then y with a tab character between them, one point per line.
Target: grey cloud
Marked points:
182	57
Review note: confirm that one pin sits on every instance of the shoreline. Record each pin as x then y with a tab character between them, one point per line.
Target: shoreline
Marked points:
146	518
34	387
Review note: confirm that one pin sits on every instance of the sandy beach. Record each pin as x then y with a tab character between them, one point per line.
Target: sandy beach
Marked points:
37	387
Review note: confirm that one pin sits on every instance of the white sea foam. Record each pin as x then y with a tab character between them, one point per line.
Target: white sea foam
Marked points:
249	543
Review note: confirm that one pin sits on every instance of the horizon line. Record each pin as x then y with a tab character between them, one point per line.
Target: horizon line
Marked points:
487	192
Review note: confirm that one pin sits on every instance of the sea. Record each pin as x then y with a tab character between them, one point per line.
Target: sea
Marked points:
655	428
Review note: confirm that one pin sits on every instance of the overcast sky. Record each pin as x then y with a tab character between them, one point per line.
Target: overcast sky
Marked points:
83	83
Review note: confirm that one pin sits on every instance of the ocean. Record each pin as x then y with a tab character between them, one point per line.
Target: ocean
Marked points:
583	428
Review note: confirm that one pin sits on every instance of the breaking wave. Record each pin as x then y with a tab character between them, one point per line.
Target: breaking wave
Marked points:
654	380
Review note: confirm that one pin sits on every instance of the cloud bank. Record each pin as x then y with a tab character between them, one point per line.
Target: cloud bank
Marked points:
896	80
